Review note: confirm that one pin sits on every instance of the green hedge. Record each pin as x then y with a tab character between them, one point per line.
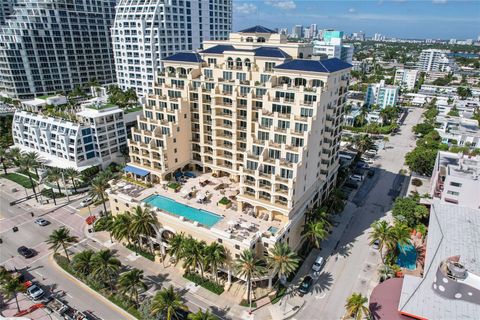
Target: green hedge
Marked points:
244	303
173	185
49	194
224	201
207	284
17	178
141	252
279	295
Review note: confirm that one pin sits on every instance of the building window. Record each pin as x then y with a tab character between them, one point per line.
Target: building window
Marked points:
453	193
455	184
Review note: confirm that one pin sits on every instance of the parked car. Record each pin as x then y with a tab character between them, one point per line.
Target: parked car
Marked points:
376	244
356	177
351	184
371	172
86	202
25	252
318	264
35	292
305	285
41	222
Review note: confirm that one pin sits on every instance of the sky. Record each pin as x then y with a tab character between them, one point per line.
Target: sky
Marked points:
432	19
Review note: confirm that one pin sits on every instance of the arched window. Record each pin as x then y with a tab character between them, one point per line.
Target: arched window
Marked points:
317	83
283	80
229	63
300	55
238	63
171	70
249	39
260	39
300	82
248	64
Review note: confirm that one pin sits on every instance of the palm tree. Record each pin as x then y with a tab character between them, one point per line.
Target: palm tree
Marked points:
35	160
72	173
4	158
200	315
400	235
98	187
4	275
121	227
249	266
105	266
386	272
130	283
215	256
282	260
26	165
363	142
61	238
194	253
176	246
144	223
355	306
10	289
314	232
336	200
54	175
381	232
83	262
167	303
15	154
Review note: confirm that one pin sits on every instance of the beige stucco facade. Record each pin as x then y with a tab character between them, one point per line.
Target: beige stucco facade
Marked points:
237	110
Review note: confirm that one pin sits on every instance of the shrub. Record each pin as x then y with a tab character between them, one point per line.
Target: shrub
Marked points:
103	223
173	185
417	182
278	295
49	194
63	263
142	252
224	201
207	284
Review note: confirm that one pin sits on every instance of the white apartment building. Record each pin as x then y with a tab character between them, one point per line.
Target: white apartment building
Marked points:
458	131
47	46
6	9
455	179
434	60
332	46
382	95
406	78
146	31
466	108
95	138
253	110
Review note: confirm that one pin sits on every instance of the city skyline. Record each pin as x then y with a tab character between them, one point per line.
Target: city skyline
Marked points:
436	19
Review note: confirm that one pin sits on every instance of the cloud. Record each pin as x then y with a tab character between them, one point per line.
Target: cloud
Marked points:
245	8
352	10
282	4
439	1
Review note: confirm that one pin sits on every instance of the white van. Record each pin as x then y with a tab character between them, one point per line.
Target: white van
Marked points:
318	264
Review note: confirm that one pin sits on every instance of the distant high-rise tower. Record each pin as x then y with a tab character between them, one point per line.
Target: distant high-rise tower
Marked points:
146	31
6	9
48	46
297	31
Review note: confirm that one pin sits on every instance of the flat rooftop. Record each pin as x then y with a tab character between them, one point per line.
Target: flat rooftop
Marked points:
453	231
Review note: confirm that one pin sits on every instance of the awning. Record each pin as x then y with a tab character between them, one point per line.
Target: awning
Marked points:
135	170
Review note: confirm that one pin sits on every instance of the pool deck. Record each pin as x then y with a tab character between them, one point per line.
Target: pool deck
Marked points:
237	225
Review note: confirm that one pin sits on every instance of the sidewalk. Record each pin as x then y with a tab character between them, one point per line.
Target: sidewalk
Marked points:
195	296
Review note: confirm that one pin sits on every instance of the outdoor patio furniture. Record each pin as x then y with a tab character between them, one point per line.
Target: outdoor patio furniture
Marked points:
189	174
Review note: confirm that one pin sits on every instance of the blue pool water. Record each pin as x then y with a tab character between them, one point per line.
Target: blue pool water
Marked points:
273	230
408	257
201	216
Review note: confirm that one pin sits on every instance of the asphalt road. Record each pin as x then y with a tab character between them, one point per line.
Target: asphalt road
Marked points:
351	262
41	266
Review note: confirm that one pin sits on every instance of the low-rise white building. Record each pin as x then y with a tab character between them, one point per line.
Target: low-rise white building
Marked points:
382	95
455	179
35	105
458	131
406	78
95	137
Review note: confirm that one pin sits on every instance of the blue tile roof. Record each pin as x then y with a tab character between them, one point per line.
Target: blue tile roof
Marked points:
326	66
219	49
135	170
272	52
184	57
257	29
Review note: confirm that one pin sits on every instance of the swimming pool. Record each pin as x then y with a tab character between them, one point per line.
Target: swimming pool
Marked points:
407	258
166	204
273	229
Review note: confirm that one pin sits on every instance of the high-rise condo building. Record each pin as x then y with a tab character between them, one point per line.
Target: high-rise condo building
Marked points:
297	31
48	46
332	46
6	9
434	60
146	31
253	126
